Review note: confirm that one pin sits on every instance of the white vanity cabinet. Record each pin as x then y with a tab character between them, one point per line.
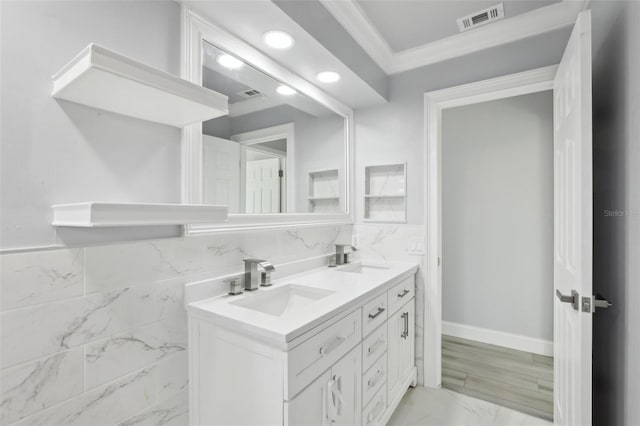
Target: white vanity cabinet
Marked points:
351	369
333	398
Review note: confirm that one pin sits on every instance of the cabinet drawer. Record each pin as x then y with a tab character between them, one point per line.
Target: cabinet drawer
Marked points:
372	413
308	360
374	379
400	294
374	313
374	346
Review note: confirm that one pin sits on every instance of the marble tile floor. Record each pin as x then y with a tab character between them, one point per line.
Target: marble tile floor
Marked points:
442	407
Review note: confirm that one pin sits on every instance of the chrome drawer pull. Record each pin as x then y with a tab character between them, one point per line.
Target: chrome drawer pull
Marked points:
404	293
375	346
380	310
331	346
372	381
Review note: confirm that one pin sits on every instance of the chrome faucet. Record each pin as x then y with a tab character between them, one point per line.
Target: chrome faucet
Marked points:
341	256
251	278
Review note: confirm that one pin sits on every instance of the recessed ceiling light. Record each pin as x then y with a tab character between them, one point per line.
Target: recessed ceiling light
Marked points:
229	61
285	90
328	76
278	39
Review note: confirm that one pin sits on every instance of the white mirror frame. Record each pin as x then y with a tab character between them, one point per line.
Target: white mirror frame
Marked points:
194	31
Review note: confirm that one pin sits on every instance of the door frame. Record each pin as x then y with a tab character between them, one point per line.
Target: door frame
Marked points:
282	131
533	81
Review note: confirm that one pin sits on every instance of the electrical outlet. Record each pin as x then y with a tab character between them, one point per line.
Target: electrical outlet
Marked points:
415	246
355	240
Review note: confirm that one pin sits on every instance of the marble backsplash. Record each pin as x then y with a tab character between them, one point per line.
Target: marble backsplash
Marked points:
98	335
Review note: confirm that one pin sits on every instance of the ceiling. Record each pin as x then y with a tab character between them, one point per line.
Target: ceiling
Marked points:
405	24
400	35
250	19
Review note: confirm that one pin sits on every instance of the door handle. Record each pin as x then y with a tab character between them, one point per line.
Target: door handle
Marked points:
574	299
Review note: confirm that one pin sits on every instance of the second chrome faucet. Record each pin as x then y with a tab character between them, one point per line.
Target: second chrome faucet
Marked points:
252	280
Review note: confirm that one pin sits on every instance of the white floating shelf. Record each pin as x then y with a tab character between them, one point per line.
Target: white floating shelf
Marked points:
94	214
103	79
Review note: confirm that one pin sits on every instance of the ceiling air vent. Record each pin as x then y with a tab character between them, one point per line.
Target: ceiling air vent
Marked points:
481	17
249	93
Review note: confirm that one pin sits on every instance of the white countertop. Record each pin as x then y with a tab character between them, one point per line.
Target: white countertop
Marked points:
349	290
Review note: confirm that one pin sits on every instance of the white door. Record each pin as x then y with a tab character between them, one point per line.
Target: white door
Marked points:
263	186
309	407
573	229
343	390
400	352
221	171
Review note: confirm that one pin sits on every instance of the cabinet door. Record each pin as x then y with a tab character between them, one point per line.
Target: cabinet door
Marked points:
344	400
401	347
407	350
309	407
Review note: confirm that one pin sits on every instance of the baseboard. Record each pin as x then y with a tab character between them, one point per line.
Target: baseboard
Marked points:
498	338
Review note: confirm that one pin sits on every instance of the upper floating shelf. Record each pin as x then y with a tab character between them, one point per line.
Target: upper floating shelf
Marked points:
103	79
93	214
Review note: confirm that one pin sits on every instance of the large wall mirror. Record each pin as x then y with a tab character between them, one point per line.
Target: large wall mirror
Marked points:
281	156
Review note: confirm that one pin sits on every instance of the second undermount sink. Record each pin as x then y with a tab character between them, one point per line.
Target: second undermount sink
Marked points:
359	268
282	300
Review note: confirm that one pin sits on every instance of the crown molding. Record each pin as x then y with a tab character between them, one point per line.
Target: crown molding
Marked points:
519	27
349	14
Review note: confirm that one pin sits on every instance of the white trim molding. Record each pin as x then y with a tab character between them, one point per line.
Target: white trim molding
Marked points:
518	342
194	31
519	27
533	81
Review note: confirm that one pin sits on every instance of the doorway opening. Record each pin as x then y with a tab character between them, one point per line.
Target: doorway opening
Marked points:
497	251
489	315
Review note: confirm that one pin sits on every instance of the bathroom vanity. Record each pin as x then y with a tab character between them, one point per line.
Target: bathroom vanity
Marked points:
329	346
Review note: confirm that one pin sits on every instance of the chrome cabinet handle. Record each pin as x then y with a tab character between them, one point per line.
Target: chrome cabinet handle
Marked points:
380	310
331	346
375	346
405	332
404	293
574	299
373	381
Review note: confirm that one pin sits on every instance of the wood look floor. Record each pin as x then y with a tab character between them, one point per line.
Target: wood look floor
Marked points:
519	380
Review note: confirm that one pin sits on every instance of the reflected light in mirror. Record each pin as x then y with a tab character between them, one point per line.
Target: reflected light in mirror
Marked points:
229	61
285	90
278	39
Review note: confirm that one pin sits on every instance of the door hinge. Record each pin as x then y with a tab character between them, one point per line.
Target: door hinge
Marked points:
281	173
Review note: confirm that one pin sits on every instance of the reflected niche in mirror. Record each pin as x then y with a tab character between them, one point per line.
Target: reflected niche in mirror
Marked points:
278	151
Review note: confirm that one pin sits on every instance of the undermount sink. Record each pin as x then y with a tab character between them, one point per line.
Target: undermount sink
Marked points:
282	300
358	268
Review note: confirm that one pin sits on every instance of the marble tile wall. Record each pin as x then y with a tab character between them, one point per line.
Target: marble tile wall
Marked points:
98	335
391	242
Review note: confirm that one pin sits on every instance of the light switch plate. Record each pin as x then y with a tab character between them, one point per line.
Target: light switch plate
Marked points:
415	246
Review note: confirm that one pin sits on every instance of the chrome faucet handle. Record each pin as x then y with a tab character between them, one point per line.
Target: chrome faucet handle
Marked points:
267	266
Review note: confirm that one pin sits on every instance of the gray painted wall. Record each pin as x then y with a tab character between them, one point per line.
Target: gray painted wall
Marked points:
497	202
57	152
395	132
616	161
